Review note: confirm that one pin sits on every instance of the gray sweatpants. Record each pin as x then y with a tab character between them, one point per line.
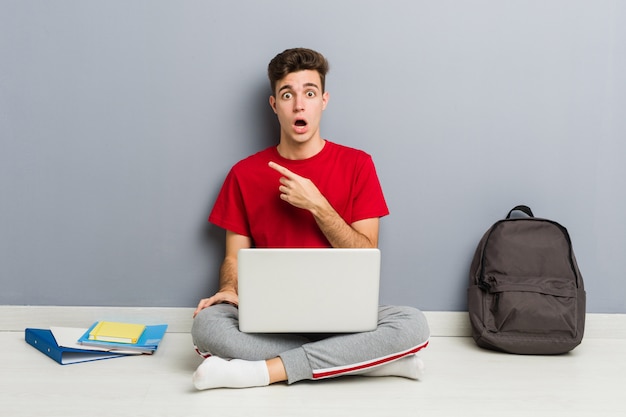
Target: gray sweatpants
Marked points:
401	331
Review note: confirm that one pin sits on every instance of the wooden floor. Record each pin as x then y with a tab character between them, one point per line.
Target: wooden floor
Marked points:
460	380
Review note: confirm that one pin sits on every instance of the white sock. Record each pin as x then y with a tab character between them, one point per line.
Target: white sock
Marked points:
408	367
216	372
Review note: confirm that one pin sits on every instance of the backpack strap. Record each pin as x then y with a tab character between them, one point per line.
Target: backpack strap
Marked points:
521	208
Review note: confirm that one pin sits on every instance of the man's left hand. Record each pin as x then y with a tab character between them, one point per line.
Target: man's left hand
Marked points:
298	191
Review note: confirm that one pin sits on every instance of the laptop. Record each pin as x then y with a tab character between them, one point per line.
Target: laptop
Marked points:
308	290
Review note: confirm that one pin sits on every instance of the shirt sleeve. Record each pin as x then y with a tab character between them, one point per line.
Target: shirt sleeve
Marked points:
229	210
369	200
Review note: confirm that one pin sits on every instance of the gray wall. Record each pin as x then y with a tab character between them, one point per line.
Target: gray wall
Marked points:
120	119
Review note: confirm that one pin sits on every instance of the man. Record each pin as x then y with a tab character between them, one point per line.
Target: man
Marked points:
305	192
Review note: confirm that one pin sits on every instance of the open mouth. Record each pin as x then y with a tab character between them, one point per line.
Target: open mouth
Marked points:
300	123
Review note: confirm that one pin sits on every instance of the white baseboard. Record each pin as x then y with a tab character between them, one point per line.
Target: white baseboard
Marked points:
16	318
442	323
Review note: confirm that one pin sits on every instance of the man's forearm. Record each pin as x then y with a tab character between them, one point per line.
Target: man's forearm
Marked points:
339	233
228	275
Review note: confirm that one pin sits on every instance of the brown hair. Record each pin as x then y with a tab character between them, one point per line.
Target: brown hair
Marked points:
296	59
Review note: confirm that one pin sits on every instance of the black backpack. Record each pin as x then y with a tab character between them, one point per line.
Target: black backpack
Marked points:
526	293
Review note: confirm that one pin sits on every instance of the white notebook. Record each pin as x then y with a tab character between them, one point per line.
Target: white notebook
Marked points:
308	290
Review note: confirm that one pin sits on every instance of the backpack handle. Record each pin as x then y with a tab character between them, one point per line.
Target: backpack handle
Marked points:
521	208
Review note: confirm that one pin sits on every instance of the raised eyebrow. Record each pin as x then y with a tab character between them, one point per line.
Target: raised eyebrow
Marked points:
285	87
290	87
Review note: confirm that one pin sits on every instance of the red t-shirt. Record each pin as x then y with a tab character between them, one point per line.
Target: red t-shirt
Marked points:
249	202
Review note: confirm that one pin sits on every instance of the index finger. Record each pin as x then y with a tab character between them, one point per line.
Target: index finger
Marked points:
281	169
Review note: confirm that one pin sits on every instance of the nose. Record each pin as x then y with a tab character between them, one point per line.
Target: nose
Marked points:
298	104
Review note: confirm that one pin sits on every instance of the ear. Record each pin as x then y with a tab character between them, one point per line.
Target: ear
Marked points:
325	98
273	103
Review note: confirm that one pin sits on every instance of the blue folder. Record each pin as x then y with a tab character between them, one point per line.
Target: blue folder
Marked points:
44	341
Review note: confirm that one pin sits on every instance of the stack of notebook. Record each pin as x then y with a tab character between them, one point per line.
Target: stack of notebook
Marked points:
123	336
103	340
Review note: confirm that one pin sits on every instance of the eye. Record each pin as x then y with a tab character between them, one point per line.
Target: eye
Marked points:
310	94
287	96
